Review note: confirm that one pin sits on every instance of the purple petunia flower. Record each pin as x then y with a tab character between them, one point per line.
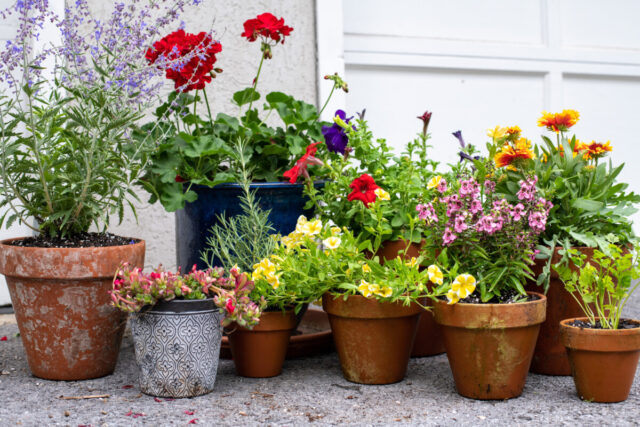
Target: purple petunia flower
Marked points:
335	137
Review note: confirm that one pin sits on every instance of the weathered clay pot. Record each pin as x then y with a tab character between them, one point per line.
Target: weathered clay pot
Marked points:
60	296
177	345
490	346
373	339
550	356
428	340
260	352
603	361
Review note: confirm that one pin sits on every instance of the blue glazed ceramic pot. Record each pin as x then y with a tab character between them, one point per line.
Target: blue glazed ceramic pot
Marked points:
193	223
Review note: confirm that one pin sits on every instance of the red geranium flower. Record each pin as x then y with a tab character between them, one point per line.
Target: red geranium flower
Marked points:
300	168
267	26
364	189
186	58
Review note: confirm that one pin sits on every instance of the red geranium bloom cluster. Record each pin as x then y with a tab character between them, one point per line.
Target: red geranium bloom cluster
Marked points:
300	168
364	189
186	58
267	26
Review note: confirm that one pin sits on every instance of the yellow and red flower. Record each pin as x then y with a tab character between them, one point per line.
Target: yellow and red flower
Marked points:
559	122
595	150
511	153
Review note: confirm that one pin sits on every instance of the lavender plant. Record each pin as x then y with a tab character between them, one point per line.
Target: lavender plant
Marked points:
67	111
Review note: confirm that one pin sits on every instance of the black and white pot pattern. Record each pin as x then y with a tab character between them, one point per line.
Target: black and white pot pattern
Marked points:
177	346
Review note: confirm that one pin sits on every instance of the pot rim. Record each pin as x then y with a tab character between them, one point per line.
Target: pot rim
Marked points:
88	263
13	239
261	185
512	304
491	316
286	321
601	340
361	307
180	307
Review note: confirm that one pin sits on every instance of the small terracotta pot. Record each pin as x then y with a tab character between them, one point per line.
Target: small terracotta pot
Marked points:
489	346
603	361
428	340
60	296
260	352
550	356
373	339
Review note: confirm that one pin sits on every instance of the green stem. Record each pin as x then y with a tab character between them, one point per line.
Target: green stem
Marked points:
326	102
255	80
195	105
206	100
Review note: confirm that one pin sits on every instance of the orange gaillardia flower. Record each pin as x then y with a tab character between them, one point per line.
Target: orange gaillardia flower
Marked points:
510	153
559	122
595	150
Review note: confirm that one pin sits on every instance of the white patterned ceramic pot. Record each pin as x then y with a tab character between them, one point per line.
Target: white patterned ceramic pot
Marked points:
177	345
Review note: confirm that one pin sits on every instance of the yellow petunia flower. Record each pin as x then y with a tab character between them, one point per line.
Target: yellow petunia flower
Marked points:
452	297
367	289
302	220
332	242
366	268
381	194
336	231
434	182
464	285
412	262
312	228
384	292
435	274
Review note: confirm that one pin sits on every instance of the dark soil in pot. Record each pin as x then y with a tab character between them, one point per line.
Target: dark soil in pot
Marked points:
80	240
623	324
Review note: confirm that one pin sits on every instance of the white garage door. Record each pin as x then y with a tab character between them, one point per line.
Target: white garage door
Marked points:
478	64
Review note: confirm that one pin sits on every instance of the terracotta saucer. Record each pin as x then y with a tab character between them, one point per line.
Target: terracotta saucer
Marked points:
312	337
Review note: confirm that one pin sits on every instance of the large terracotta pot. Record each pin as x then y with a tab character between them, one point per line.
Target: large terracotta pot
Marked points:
490	346
60	296
373	339
260	352
550	356
603	361
428	340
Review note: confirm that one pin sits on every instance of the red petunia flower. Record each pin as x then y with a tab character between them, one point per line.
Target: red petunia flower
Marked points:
186	58
364	189
266	26
300	168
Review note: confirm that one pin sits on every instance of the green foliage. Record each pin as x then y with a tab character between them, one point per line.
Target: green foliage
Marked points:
403	177
241	240
603	284
590	207
198	152
66	158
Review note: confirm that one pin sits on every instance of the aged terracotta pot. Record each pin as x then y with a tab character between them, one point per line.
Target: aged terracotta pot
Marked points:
550	356
603	361
260	352
489	346
60	297
428	340
373	339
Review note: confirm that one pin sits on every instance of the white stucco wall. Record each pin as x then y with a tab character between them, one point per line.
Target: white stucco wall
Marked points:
292	70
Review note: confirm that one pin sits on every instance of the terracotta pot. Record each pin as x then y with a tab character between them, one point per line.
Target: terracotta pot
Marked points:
603	361
490	346
550	356
60	297
260	352
373	339
428	340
